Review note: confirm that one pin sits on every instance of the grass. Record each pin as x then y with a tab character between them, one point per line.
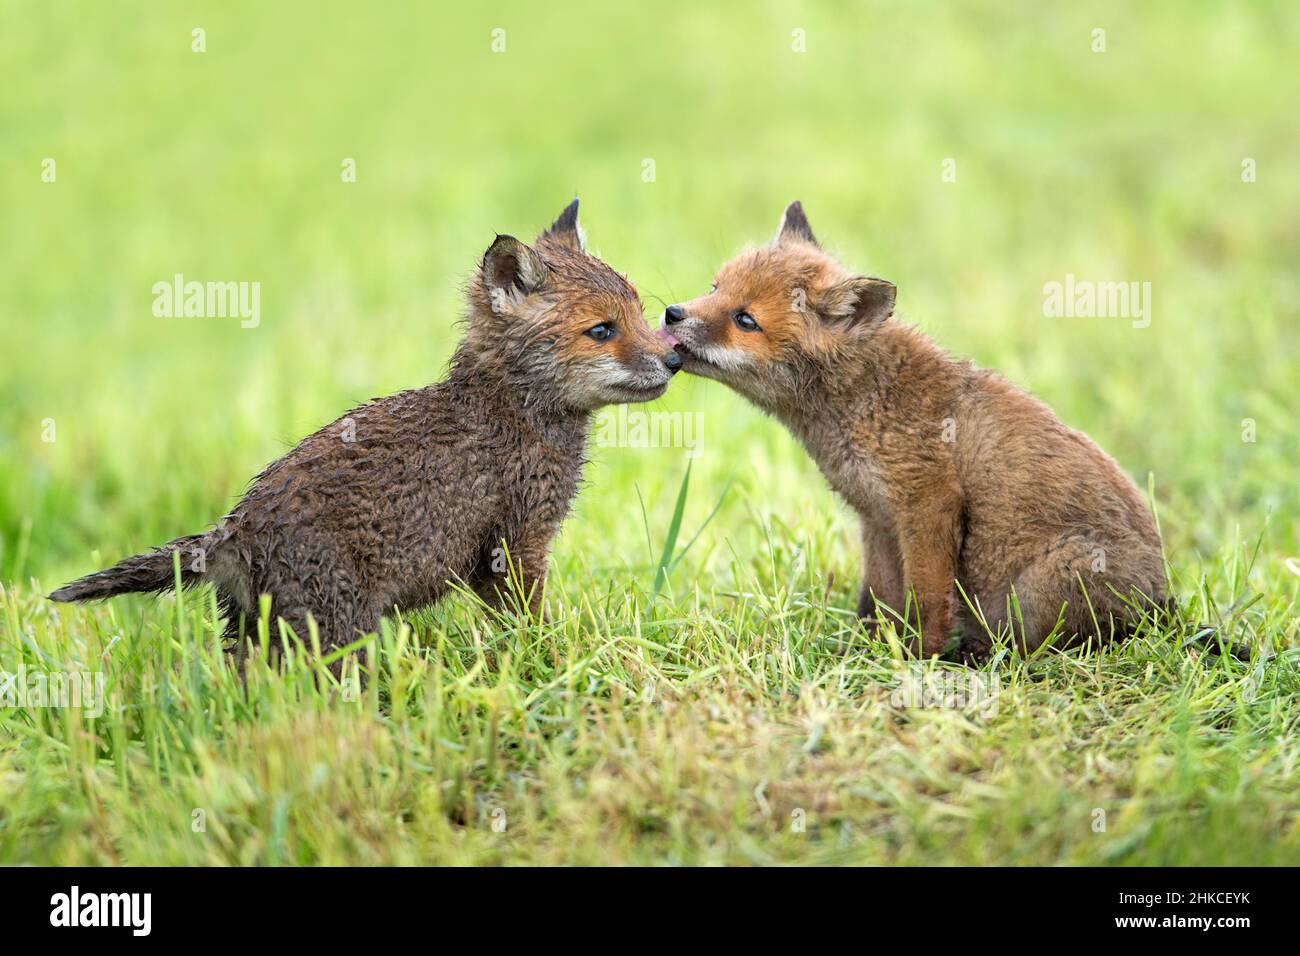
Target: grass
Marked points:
702	694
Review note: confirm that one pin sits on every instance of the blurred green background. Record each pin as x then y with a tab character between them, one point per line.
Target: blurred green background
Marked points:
226	165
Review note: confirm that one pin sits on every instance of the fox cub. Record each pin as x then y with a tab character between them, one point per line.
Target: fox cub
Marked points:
466	480
959	477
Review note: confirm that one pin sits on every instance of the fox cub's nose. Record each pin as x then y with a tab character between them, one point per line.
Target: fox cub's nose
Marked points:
674	314
673	361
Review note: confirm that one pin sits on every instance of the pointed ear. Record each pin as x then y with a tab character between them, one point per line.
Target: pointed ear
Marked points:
512	267
566	228
794	226
860	302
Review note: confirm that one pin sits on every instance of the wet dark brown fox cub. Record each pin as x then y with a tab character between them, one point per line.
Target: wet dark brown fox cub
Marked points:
959	477
467	480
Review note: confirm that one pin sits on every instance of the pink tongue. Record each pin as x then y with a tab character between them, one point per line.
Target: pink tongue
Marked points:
667	337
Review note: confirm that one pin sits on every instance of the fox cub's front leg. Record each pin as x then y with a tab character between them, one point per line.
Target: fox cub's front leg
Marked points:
515	576
930	541
882	582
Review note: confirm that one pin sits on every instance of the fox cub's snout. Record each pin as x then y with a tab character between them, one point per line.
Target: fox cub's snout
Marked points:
564	325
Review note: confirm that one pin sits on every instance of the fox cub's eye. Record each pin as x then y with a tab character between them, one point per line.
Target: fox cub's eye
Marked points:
746	322
601	333
713	289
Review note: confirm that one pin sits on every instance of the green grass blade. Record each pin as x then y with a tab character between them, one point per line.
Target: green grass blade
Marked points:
670	543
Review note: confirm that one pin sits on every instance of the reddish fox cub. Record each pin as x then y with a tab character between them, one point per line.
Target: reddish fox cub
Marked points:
976	502
466	480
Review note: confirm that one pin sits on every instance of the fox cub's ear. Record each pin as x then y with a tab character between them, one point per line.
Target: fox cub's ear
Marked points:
512	270
862	301
794	226
566	228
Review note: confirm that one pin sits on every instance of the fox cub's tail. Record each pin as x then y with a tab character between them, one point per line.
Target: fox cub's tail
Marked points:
148	572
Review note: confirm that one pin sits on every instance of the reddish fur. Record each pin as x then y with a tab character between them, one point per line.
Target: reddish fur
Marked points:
1018	502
